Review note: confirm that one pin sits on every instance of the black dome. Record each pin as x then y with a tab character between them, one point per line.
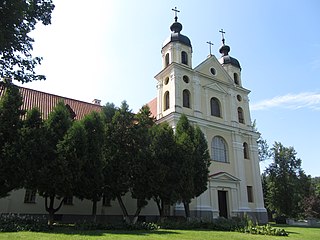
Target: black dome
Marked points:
226	58
176	36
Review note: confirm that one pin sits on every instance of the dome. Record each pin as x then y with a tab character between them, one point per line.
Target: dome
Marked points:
226	58
176	36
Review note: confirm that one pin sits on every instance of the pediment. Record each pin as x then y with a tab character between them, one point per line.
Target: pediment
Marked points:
224	176
205	67
216	87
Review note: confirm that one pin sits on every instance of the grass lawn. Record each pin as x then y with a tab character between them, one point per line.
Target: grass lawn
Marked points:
295	233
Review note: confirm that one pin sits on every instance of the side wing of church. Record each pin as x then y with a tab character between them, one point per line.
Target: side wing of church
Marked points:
213	97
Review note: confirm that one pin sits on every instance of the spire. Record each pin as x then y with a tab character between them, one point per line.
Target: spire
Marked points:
225	49
176	26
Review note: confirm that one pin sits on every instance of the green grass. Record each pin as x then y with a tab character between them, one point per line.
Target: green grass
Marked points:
295	233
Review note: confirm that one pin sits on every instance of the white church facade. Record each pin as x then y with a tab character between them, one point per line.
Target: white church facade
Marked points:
212	96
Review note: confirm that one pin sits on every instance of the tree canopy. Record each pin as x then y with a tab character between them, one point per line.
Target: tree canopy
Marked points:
10	124
18	19
285	183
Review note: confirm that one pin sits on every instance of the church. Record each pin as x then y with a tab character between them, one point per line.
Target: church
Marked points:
212	96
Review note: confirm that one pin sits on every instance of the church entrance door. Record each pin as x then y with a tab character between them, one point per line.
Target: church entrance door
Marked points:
223	208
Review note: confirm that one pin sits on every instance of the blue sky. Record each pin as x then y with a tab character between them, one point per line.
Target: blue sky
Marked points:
110	50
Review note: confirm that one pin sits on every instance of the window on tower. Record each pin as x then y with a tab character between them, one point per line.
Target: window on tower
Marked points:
166	100
215	107
236	78
184	57
219	149
167	59
240	115
186	98
245	150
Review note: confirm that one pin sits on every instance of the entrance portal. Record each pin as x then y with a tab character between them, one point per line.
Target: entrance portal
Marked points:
223	208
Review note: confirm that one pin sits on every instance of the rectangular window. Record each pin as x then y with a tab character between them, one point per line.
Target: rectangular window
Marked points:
30	196
250	194
106	201
68	200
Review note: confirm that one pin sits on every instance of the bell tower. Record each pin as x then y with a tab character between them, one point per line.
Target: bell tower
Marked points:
176	59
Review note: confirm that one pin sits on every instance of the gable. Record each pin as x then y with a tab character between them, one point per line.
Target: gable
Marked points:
211	68
224	176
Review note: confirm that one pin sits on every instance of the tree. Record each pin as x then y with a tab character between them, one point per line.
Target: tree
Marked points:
185	141
91	183
53	175
141	169
286	183
33	148
119	151
194	162
164	168
10	124
264	151
18	19
202	162
311	203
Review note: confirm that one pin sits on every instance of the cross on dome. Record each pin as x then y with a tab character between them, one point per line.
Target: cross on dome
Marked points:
175	13
222	35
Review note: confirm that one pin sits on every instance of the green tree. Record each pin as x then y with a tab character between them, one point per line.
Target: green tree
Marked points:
164	168
33	147
120	150
285	182
91	184
10	124
18	19
202	162
141	169
194	162
53	174
185	141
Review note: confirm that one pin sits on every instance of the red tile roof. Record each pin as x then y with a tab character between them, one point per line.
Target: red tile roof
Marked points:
153	107
45	102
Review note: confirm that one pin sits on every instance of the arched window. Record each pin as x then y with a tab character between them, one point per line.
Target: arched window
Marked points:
184	57
240	115
236	78
186	98
215	107
245	150
166	100
167	59
219	149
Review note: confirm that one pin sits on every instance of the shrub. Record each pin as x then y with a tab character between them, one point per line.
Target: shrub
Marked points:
16	222
119	226
262	230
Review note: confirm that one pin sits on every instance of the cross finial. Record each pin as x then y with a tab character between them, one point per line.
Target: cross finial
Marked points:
175	13
210	45
222	34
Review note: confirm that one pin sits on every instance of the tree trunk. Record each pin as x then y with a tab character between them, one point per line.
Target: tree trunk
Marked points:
124	210
50	209
136	215
158	202
187	210
94	211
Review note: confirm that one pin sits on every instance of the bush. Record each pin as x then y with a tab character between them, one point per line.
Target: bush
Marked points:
16	222
262	230
220	224
119	226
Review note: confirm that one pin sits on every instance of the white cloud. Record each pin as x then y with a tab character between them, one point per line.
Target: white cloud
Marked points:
310	100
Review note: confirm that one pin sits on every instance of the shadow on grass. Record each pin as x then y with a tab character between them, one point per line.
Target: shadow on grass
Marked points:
70	231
